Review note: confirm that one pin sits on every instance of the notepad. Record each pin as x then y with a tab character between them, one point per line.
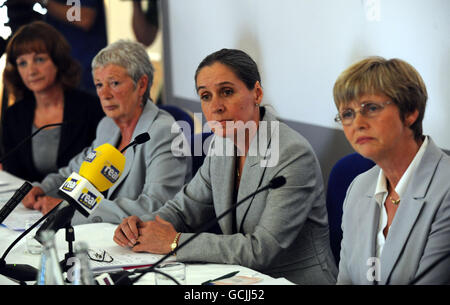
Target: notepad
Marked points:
9	183
17	219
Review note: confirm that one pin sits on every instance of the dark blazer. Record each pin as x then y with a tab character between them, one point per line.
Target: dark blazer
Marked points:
83	110
418	237
281	232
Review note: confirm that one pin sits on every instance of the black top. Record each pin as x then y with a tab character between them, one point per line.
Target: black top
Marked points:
81	109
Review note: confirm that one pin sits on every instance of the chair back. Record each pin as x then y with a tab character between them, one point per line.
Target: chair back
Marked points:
341	175
181	116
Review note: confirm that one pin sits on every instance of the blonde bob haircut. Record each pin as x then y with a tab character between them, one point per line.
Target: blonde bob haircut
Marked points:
394	78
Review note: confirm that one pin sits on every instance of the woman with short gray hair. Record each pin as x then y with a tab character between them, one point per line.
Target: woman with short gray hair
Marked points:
130	55
123	76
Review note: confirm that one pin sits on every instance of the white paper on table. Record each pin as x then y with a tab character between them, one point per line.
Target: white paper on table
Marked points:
9	182
17	219
99	237
124	258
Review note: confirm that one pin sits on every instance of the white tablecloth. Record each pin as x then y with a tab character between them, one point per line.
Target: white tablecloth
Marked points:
100	236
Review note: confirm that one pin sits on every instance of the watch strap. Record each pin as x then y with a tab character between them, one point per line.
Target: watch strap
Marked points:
174	244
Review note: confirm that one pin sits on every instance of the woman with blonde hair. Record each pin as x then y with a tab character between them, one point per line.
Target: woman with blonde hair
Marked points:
396	224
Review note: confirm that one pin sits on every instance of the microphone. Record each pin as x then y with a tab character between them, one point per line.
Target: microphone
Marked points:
100	170
14	200
26	187
83	192
142	138
275	183
9	153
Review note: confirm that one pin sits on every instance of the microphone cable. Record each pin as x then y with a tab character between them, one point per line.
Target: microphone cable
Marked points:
6	156
274	183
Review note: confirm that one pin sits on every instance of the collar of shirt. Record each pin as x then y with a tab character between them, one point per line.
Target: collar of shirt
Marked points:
381	188
381	193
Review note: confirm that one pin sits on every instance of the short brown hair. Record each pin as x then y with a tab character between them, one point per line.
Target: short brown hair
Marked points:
40	37
394	78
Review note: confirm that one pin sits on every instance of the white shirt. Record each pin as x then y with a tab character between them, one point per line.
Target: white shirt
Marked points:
381	193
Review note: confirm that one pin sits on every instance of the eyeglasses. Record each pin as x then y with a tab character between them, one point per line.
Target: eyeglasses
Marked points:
100	256
368	109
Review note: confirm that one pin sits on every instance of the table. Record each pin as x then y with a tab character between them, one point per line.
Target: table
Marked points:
100	235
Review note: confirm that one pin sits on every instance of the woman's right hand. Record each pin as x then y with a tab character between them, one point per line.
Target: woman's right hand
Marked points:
30	199
127	232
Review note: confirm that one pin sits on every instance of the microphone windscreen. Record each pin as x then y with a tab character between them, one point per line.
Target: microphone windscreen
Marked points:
142	138
103	166
277	182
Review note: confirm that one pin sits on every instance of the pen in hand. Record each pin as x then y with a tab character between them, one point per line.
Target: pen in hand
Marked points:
226	276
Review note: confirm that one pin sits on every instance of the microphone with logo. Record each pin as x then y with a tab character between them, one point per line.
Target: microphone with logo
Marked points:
82	192
275	183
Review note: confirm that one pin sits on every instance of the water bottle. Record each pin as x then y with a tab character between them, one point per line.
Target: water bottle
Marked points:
49	268
82	272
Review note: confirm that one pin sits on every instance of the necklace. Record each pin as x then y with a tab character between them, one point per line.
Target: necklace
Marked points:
395	201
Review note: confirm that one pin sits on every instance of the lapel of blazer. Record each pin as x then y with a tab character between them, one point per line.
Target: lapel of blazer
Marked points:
254	169
145	121
222	173
367	228
409	210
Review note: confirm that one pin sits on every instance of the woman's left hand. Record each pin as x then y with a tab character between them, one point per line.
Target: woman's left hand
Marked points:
155	237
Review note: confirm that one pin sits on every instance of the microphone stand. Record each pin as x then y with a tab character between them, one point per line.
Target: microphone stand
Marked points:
21	272
70	238
274	183
62	219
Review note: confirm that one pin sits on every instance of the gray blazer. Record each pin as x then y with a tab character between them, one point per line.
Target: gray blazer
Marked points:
418	236
282	232
152	174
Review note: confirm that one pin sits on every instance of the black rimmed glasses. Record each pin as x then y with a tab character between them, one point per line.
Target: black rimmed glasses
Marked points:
368	109
100	256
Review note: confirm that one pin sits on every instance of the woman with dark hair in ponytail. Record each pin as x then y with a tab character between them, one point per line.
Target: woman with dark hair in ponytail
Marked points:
282	232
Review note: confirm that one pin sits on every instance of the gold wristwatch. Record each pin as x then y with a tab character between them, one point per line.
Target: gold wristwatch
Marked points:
174	244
